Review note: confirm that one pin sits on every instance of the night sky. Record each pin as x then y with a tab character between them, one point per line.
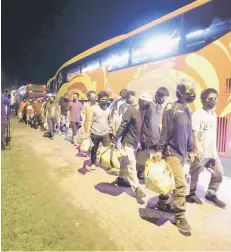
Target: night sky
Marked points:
38	36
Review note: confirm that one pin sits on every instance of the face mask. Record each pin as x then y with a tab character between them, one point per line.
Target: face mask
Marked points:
159	100
74	99
130	102
210	104
190	97
65	99
103	104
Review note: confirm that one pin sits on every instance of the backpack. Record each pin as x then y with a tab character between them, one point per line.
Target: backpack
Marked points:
116	117
173	107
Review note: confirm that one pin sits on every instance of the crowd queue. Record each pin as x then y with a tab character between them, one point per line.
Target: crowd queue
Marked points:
141	126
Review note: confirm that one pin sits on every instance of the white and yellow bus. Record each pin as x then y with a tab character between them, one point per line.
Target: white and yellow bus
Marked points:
193	42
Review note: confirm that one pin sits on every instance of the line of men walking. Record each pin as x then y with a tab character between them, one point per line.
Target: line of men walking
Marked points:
134	125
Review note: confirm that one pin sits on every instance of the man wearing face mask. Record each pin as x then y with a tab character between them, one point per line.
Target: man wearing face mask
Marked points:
116	111
99	125
63	109
176	144
74	108
128	101
150	132
128	136
91	95
204	123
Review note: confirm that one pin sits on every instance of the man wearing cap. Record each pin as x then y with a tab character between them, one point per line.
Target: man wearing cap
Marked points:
128	135
150	132
176	144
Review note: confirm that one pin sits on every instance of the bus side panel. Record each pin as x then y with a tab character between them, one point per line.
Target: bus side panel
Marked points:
95	80
209	67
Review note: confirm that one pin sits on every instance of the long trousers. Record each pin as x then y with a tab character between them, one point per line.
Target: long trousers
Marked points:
3	132
214	166
177	166
75	128
38	120
51	126
105	140
130	171
64	123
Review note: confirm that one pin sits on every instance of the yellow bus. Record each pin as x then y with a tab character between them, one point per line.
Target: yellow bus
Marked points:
193	42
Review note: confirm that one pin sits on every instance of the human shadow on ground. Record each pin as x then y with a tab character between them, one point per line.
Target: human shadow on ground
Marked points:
114	190
86	167
149	214
84	170
157	217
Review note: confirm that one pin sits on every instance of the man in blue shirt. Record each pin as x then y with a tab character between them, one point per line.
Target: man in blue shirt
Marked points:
5	111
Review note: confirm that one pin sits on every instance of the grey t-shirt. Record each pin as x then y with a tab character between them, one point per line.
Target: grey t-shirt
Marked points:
51	110
101	121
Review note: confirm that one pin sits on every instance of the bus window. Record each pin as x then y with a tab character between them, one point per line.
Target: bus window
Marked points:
90	65
53	87
73	72
157	43
214	21
117	56
59	80
116	60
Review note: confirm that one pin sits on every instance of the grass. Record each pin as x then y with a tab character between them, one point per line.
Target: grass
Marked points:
36	214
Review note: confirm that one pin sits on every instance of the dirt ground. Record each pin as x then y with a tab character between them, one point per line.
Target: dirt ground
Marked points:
93	214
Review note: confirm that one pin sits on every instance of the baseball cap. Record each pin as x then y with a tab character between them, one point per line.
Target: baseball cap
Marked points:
146	97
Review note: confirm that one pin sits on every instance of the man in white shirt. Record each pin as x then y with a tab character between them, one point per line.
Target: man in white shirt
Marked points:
204	124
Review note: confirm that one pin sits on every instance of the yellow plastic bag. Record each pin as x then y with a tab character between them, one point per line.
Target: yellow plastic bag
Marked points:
159	177
81	135
111	157
86	145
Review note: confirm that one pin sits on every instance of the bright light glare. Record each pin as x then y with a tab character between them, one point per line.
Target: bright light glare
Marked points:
117	60
91	67
195	34
156	47
161	45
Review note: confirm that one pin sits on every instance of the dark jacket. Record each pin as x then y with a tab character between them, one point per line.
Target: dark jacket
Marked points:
123	108
176	136
150	133
130	127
